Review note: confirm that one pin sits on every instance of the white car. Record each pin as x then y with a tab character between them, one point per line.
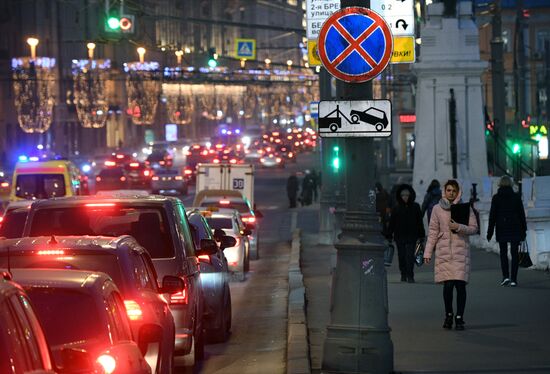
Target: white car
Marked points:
229	221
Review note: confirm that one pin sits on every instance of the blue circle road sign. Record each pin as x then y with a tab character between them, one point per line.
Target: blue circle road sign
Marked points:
355	44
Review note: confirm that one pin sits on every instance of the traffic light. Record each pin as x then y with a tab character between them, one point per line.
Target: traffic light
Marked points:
489	128
212	58
335	158
119	24
516	148
526	122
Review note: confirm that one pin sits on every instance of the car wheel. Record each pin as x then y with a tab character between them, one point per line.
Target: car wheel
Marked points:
354	118
333	127
379	127
228	311
221	334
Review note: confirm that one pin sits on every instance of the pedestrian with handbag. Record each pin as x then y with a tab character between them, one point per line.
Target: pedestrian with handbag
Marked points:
507	216
448	240
406	228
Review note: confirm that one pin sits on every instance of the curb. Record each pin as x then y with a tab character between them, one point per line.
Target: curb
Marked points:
297	340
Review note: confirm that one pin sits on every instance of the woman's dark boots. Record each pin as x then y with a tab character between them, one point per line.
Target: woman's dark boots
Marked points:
459	323
448	324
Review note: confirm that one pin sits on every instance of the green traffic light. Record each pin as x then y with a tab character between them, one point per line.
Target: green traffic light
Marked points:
336	163
212	63
515	148
113	23
335	148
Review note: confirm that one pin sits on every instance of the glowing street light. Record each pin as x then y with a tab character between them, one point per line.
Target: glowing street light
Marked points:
33	42
91	47
289	63
141	52
179	55
267	62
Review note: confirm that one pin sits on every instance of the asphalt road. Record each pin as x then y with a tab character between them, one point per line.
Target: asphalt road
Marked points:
258	339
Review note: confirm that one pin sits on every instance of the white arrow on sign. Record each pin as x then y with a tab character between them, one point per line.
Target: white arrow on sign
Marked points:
399	14
365	118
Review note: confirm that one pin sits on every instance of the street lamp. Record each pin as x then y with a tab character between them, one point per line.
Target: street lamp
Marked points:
289	63
179	55
33	42
141	52
243	62
267	62
91	47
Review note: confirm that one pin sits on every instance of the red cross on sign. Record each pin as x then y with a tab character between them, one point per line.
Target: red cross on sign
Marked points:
355	44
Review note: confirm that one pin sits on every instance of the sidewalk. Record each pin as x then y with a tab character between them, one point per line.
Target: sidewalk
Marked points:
507	329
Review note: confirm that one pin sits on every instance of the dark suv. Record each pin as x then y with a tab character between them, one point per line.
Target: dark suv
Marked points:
159	224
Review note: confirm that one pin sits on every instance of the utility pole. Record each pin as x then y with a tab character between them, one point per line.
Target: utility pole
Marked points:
358	336
452	123
497	77
547	76
519	69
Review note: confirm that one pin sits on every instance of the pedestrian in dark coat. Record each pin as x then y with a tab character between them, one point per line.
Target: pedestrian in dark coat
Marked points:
431	199
292	189
508	217
406	228
307	189
315	186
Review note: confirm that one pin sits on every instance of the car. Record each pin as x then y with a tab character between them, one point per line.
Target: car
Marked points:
229	221
4	185
129	265
112	178
230	199
159	159
45	179
159	224
84	319
285	151
215	278
372	116
24	345
12	222
138	174
271	160
169	180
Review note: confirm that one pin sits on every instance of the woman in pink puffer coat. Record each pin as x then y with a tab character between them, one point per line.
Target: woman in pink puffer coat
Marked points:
449	241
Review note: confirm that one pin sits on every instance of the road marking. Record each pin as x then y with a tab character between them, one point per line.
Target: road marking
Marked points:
293	221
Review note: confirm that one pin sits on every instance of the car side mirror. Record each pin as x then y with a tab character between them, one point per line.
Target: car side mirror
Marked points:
75	360
258	214
228	242
208	247
171	284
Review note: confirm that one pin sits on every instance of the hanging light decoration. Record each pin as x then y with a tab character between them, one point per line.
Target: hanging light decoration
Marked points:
180	102
34	90
143	86
90	92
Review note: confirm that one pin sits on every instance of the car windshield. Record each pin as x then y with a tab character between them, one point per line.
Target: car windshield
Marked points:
39	186
220	223
240	207
67	316
148	225
13	224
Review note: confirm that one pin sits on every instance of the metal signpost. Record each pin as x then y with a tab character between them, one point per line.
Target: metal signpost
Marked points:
355	45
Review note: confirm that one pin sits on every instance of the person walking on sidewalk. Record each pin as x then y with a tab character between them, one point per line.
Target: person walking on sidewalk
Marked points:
431	199
508	217
292	189
449	241
406	228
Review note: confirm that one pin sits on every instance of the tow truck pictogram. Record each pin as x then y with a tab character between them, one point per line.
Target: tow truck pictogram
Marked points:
333	123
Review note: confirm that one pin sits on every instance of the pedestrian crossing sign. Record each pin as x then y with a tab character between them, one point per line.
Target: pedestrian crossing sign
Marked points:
245	49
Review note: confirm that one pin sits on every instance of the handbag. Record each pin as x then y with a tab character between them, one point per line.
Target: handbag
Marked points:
524	260
419	252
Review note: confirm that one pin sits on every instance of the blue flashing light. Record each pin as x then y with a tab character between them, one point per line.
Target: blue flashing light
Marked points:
23	158
237	131
33	158
224	131
86	168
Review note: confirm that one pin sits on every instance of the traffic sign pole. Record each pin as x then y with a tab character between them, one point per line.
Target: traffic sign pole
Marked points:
358	336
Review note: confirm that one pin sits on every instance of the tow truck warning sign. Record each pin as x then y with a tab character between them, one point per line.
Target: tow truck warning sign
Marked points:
365	118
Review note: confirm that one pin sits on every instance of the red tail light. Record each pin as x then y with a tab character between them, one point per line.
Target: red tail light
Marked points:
225	202
249	219
146	173
120	157
133	310
188	172
155	178
5	184
204	258
107	363
216	161
98	179
180	297
99	205
51	252
123	179
110	163
162	162
187	153
179	177
232	161
134	164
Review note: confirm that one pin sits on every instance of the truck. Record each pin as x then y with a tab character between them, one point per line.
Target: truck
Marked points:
238	177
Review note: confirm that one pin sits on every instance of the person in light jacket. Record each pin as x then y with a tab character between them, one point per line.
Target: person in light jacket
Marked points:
508	216
449	241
